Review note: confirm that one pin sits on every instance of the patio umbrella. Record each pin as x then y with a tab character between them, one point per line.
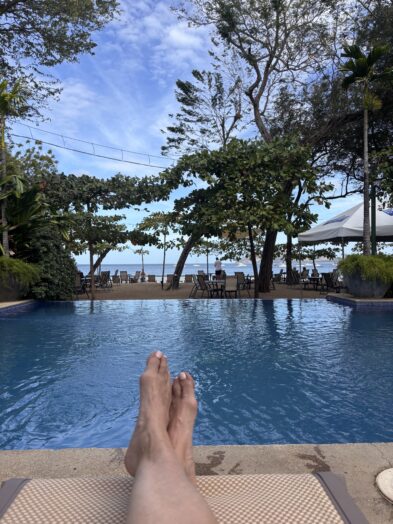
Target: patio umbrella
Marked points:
348	226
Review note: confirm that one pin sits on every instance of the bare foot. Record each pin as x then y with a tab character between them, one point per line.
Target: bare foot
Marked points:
183	412
153	419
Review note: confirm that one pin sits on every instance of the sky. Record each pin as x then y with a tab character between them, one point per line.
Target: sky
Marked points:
121	98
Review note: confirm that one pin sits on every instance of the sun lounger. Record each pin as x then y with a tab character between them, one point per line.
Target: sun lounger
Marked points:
151	278
270	499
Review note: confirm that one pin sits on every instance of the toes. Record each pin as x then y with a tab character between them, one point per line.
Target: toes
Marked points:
187	385
163	364
153	361
176	388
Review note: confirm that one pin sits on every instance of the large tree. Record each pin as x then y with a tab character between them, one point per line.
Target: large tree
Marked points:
364	70
37	34
244	191
280	42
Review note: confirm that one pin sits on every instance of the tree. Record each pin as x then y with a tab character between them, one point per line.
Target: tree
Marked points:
281	43
302	252
244	191
37	34
209	114
142	252
12	103
363	69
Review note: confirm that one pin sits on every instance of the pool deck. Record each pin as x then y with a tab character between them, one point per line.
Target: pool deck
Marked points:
358	463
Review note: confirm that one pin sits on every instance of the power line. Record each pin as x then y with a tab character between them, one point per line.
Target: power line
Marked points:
88	153
31	128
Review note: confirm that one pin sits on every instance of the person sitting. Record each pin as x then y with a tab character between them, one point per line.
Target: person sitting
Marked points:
159	455
304	274
314	273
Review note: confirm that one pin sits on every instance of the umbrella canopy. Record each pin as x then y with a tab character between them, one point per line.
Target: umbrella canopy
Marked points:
348	225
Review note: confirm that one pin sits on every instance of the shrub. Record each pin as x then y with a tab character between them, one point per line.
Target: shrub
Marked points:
21	273
47	250
376	267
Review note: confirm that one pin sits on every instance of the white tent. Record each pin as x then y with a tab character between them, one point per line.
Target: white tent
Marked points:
349	226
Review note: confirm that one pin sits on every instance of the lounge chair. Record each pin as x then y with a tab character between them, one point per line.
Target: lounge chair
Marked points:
269	498
116	278
188	279
151	278
105	279
135	278
124	277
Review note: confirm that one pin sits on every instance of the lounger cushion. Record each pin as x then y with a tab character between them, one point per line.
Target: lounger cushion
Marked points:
240	499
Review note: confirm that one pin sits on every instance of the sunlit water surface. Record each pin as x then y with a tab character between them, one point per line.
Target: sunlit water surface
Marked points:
283	371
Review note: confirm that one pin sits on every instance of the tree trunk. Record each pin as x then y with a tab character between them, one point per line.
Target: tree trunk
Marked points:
366	189
100	259
3	174
194	237
253	261
288	260
265	272
92	281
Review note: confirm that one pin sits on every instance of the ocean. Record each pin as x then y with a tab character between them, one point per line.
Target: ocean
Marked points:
192	269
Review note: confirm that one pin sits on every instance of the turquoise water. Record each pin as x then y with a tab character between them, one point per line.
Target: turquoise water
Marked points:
283	371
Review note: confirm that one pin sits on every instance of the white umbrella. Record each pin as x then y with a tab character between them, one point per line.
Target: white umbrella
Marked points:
348	225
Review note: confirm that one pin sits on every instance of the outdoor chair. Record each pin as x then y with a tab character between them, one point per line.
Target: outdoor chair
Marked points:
105	279
135	278
116	278
195	287
188	279
151	278
200	285
330	281
294	278
201	272
123	277
230	287
243	284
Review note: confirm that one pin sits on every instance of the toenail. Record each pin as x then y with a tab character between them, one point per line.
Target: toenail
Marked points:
158	354
182	376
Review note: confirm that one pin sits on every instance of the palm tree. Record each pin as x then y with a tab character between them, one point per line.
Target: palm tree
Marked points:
12	103
363	71
142	252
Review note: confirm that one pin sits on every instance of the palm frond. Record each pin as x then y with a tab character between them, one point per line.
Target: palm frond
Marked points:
352	51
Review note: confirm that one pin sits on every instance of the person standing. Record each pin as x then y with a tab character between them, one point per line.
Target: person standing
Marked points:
218	267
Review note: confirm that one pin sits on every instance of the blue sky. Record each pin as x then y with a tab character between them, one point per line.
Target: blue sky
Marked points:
121	97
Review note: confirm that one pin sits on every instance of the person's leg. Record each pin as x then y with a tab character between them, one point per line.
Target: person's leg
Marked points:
162	492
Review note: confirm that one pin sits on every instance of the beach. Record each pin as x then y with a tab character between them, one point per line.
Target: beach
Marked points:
153	291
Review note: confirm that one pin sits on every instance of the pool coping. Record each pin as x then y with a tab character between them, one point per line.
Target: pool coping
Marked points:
375	304
357	463
19	305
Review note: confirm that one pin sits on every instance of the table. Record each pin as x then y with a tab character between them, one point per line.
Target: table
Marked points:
216	287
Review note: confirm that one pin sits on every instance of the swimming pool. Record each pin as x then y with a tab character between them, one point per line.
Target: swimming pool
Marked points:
282	371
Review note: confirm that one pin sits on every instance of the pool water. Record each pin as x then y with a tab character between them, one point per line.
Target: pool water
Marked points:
283	371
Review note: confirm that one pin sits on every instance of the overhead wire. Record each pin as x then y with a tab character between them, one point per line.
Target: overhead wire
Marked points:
94	145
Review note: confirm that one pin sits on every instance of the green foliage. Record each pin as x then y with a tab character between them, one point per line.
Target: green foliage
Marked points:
210	112
22	273
373	268
57	267
37	34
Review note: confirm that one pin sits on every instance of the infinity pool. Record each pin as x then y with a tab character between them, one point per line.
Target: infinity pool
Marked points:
283	371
